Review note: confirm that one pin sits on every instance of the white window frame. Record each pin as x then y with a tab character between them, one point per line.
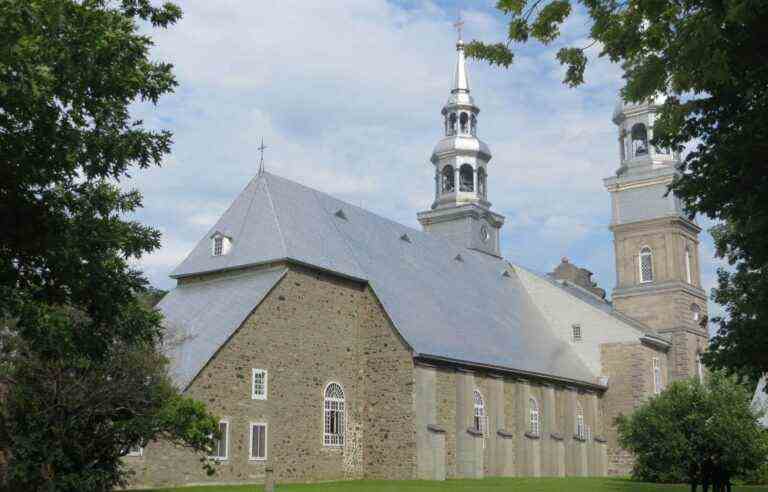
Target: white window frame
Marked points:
265	379
576	334
226	443
657	382
534	421
696	312
699	367
645	251
251	426
580	430
334	440
220	244
135	454
480	416
688	274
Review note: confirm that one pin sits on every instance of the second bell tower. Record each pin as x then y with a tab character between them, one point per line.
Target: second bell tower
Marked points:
656	244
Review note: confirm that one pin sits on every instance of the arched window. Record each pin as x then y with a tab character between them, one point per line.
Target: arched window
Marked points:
646	265
580	431
479	421
639	140
473	124
452	124
688	276
463	122
333	415
699	367
448	179
534	417
466	178
696	312
481	182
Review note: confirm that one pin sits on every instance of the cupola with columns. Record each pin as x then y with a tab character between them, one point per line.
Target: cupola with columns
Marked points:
461	210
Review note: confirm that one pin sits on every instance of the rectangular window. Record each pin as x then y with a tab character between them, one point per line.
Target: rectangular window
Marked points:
258	440
657	385
576	333
220	445
218	246
135	451
258	384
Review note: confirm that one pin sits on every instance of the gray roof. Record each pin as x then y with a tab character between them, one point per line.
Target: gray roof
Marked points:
462	310
201	316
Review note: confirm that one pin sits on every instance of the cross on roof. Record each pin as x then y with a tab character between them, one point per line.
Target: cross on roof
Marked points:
459	25
261	149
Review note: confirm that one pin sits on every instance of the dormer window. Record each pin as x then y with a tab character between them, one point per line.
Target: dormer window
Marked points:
220	244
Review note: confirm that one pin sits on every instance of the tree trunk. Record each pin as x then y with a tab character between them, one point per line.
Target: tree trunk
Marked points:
694	486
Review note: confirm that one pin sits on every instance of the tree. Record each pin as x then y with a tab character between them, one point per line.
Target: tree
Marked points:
711	61
81	339
697	433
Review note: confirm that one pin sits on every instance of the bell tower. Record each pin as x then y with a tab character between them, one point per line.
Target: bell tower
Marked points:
461	210
656	244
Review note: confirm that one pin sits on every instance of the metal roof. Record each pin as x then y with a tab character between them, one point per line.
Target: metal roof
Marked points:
466	311
201	316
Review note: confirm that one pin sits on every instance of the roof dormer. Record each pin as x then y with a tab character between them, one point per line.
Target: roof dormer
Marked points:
220	244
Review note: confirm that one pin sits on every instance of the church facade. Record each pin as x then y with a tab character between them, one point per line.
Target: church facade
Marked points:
336	344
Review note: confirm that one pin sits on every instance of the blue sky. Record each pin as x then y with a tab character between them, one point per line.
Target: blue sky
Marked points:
347	96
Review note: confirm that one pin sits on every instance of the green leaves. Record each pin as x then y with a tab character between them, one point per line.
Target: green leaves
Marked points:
711	61
693	431
82	351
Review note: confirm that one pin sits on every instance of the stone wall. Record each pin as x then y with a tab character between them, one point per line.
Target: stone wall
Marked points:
630	371
313	328
448	448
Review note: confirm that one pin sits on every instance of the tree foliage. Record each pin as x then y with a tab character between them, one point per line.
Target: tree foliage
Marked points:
696	433
711	61
80	349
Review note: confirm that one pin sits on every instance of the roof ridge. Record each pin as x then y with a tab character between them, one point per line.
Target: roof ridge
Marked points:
274	213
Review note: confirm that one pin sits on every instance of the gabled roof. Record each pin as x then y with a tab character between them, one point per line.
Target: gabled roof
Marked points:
201	316
466	311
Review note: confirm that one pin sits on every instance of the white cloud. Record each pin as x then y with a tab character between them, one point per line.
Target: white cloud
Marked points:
347	95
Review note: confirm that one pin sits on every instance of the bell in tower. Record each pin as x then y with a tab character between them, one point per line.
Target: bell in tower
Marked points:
461	210
656	244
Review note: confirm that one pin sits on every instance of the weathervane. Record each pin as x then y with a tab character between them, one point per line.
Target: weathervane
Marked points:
261	149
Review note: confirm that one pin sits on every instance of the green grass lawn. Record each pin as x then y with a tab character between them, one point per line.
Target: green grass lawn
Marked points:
571	484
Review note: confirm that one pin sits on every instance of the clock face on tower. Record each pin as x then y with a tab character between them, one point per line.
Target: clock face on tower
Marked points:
484	235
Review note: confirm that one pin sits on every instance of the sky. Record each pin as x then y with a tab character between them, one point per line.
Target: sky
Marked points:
347	96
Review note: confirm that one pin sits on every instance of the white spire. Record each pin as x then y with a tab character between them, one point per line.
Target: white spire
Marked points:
460	75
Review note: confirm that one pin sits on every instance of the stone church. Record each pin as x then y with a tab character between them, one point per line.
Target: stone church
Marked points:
337	344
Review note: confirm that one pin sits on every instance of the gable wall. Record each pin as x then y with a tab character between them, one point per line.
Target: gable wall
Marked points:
312	328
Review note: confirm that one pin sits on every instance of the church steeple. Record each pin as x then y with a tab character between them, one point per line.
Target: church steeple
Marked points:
461	209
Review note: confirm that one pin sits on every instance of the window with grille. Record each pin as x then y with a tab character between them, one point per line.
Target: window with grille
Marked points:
646	265
576	329
258	384
534	417
258	442
333	434
479	421
657	385
580	431
135	450
220	445
218	246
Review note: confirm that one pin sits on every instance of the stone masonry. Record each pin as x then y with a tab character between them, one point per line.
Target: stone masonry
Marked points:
312	328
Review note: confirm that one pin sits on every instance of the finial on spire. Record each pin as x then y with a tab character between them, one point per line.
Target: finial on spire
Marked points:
459	25
261	149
